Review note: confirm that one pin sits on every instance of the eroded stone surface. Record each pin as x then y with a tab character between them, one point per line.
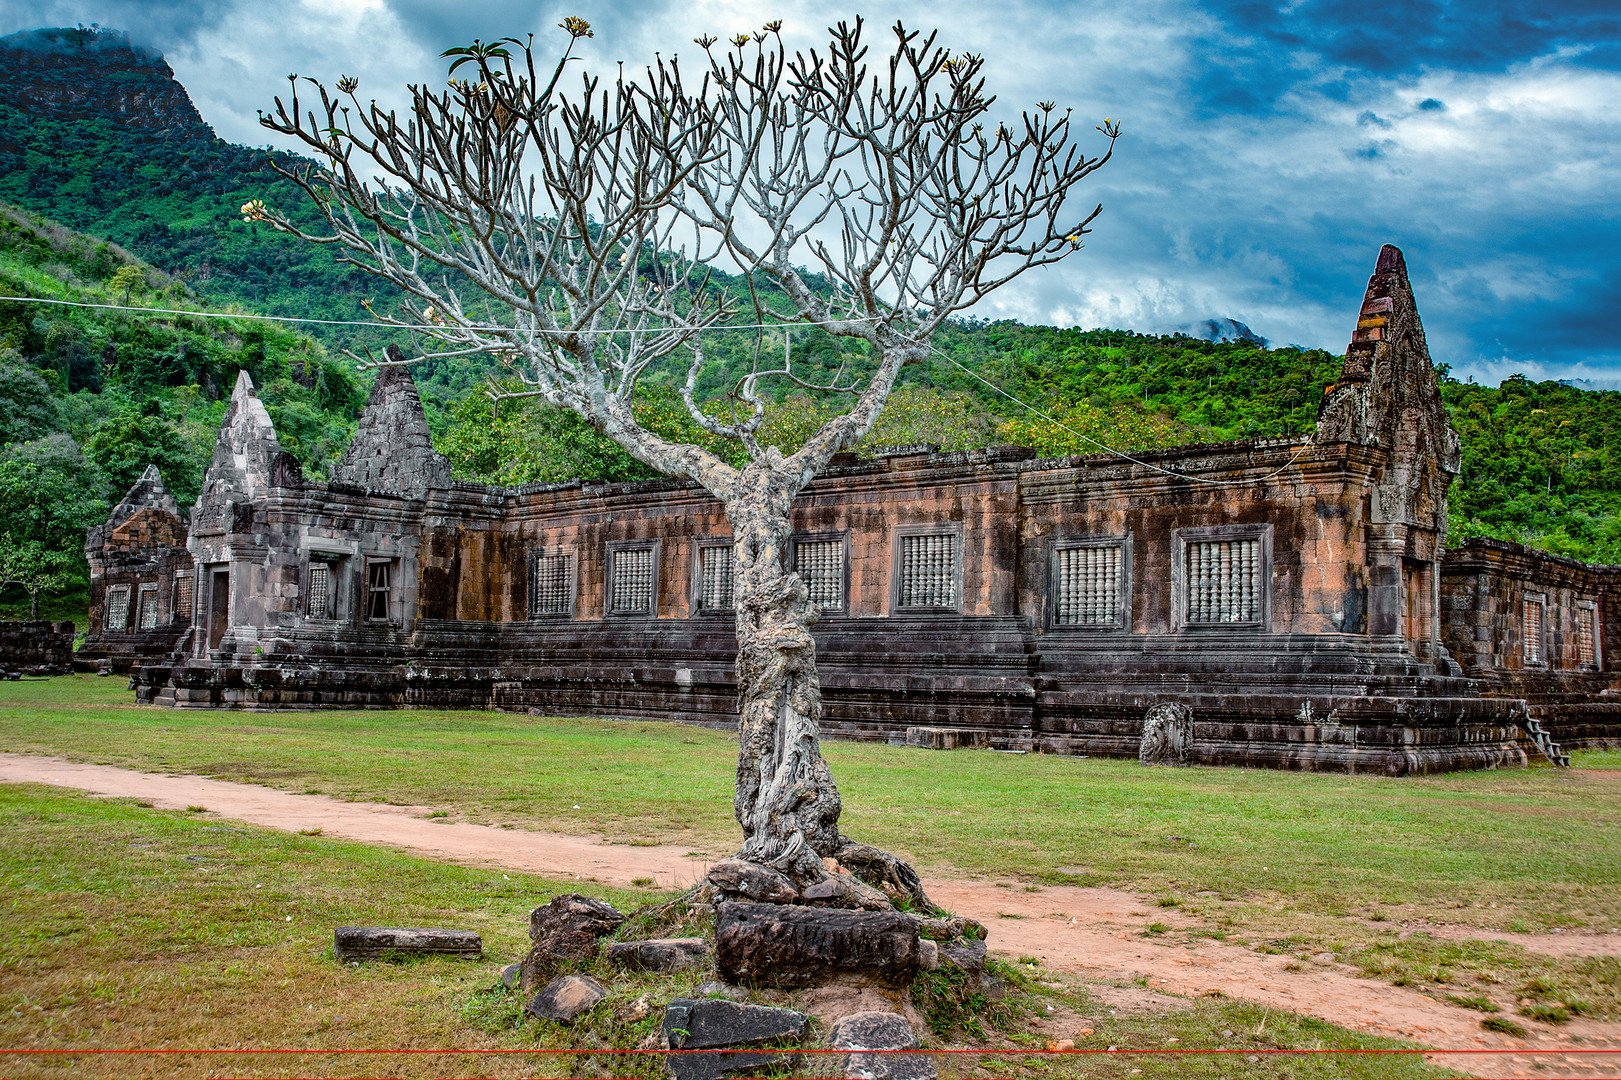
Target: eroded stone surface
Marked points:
566	998
739	877
565	931
792	946
874	1038
660	954
712	1024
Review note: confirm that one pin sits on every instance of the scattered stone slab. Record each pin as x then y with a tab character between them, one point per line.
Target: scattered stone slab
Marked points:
512	976
739	877
938	738
660	954
792	946
952	927
873	1039
370	942
567	997
845	890
928	954
711	1024
968	955
566	931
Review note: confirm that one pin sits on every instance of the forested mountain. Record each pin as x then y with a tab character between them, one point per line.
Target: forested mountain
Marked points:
96	134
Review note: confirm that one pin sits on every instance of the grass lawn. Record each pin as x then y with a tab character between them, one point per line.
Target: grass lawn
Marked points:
128	928
1280	860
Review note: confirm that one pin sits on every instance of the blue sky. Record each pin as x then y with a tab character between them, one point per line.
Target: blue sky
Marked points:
1269	148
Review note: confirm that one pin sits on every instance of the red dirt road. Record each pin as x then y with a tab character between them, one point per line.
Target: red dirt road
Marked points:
1092	932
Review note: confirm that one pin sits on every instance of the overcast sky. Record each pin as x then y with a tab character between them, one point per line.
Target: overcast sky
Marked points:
1269	148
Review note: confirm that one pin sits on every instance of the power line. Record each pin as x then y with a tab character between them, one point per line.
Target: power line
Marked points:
405	326
625	330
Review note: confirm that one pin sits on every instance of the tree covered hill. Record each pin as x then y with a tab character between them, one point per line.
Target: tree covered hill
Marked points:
96	133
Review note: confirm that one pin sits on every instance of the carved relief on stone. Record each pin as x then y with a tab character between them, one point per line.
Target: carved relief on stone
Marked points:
1167	735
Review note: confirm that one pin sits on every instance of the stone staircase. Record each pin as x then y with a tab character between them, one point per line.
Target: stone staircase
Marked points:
1544	741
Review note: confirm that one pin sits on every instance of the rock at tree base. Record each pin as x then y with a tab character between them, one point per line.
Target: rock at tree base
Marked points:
739	877
968	955
868	1035
512	976
566	997
660	954
791	947
711	1024
370	942
565	931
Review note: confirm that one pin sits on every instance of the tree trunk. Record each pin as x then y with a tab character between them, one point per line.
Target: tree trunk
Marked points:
786	800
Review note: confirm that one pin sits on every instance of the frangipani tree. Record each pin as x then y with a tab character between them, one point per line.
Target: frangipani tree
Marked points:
568	231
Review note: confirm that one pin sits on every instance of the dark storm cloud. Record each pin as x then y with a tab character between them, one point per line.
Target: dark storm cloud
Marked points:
1270	147
161	24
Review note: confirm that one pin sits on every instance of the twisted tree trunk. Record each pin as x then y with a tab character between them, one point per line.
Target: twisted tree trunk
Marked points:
786	800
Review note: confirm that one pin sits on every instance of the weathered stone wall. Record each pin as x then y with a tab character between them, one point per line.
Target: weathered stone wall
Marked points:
138	560
1484	586
1283	592
35	647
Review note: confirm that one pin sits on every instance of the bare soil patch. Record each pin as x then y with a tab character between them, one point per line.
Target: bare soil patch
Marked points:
1093	933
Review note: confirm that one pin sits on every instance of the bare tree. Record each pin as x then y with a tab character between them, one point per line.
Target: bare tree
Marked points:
570	232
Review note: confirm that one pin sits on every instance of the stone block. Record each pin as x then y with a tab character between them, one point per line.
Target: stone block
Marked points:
566	931
791	946
939	738
370	942
567	998
712	1024
739	877
873	1040
660	954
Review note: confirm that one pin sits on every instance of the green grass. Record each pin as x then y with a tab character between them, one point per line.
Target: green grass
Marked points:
1484	848
128	928
1326	862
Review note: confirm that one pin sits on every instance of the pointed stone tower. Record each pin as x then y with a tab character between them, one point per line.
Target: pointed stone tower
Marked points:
1388	398
393	450
246	453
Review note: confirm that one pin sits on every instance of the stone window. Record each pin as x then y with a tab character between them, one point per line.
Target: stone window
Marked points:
928	570
320	592
184	596
1223	576
553	592
147	608
1533	627
1587	651
633	578
714	585
118	608
379	590
819	562
1090	582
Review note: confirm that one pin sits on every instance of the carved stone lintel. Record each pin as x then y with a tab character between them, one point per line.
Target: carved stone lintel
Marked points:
1167	735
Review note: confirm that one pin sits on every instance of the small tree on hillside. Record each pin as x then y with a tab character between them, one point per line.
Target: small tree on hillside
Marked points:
570	232
34	569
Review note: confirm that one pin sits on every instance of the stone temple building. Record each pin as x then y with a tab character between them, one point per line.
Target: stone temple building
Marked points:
1280	602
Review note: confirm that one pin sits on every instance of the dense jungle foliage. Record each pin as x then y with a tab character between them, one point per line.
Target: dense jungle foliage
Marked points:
88	398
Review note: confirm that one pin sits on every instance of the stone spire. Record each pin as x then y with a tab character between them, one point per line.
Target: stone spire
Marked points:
393	450
147	493
247	447
1388	396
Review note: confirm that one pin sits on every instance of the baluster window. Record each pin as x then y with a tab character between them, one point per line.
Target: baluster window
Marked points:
632	580
184	596
1088	584
554	584
820	565
1533	622
147	608
715	563
118	608
928	571
1587	635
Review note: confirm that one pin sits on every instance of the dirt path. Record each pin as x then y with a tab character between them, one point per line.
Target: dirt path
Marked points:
1091	932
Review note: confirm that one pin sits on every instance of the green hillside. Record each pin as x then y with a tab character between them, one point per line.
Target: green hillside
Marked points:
87	398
